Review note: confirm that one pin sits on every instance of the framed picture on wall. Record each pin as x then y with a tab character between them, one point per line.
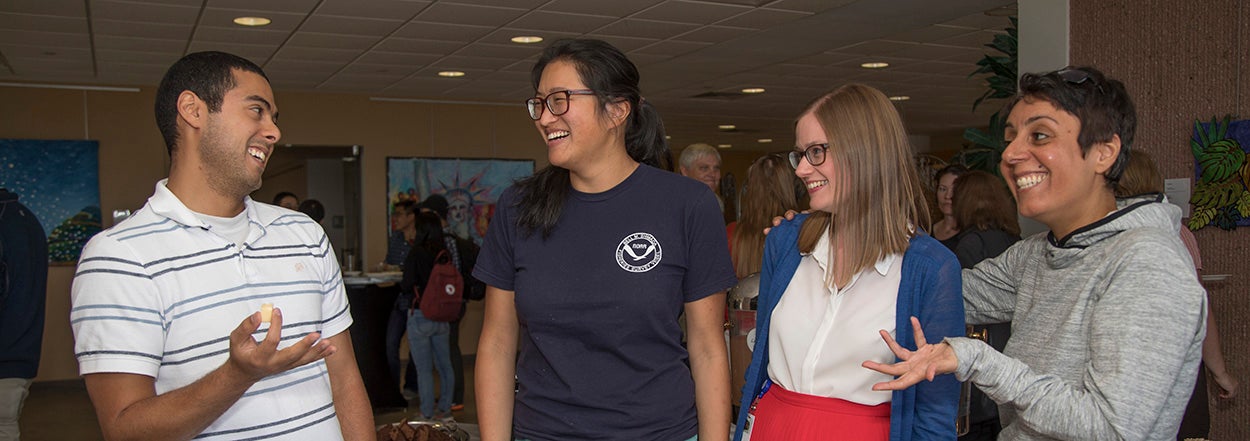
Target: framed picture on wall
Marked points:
58	180
471	186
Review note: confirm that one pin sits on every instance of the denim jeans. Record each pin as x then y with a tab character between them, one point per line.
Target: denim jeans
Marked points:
396	328
429	343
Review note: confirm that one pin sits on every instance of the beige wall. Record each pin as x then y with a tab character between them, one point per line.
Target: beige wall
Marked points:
133	158
1181	61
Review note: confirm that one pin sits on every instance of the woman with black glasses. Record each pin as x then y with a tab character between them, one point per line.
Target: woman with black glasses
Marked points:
589	264
832	282
1107	313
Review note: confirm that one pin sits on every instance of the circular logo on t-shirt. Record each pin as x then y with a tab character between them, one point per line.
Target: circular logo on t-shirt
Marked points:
638	253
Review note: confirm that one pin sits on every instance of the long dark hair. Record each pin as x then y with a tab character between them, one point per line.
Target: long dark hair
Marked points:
429	232
605	70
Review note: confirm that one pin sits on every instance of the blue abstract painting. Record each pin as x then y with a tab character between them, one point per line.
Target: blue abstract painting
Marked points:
60	182
471	187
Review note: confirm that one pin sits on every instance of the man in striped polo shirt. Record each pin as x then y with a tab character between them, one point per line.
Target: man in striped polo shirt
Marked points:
165	304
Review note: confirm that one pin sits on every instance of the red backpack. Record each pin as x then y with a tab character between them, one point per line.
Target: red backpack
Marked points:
443	295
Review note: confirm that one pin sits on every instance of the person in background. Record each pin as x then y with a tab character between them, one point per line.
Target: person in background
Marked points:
313	208
588	265
287	200
769	190
405	234
1107	314
428	340
1143	181
157	299
23	295
986	215
821	309
944	230
701	162
464	256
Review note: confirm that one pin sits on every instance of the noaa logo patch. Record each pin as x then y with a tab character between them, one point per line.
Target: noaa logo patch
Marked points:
638	253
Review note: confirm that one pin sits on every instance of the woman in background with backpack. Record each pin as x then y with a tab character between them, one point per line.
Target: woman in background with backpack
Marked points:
428	340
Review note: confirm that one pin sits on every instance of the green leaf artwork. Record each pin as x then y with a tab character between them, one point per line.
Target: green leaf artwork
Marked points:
1221	196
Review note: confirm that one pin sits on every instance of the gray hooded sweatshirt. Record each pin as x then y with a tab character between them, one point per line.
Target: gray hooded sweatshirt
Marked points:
1107	329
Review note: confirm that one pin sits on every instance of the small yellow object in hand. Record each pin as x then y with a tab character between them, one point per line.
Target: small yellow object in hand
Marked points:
266	312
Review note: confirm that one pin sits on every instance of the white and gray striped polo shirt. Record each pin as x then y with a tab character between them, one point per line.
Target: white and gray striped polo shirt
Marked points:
159	294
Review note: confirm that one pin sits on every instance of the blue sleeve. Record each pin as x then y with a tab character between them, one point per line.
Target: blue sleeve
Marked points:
941	315
495	265
710	267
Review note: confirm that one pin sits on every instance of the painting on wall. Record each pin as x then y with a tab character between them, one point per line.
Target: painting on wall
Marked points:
471	187
60	182
1221	196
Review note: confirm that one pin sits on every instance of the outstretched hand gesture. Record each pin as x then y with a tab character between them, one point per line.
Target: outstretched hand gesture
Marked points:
926	362
257	360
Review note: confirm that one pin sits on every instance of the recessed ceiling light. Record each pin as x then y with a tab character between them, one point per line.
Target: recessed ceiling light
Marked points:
875	65
527	39
451	74
726	127
753	90
724	146
765	140
900	98
252	21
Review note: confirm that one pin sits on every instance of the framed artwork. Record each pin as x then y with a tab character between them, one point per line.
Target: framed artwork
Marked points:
59	180
1221	152
471	187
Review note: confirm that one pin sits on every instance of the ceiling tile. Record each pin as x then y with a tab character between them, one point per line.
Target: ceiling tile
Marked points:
350	25
458	62
645	29
15	51
510	51
332	41
812	6
625	44
504	36
224	19
764	18
979	20
301	6
391	70
139	30
396	58
974	39
929	34
239	35
670	48
296	65
45	23
560	22
873	48
150	13
45	7
523	4
157	58
442	31
382	9
613	8
23	65
45	39
420	46
256	53
714	34
340	56
691	12
468	14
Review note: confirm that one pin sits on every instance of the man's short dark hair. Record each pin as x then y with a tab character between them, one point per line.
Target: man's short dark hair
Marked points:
1100	103
406	206
207	74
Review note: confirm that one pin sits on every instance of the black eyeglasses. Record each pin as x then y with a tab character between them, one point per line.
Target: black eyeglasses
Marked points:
556	102
815	155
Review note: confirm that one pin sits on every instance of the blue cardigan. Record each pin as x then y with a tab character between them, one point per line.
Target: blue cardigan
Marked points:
930	289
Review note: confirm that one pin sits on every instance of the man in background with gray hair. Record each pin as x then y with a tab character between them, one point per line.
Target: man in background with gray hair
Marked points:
701	162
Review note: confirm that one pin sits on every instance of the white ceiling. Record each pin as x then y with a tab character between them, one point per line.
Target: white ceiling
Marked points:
795	49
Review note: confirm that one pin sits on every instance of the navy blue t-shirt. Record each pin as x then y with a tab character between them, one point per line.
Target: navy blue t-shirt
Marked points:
600	353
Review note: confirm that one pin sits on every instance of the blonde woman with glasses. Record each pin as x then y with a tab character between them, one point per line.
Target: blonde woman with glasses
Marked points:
861	265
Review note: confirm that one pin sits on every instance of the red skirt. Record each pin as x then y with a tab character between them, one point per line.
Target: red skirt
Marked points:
783	415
